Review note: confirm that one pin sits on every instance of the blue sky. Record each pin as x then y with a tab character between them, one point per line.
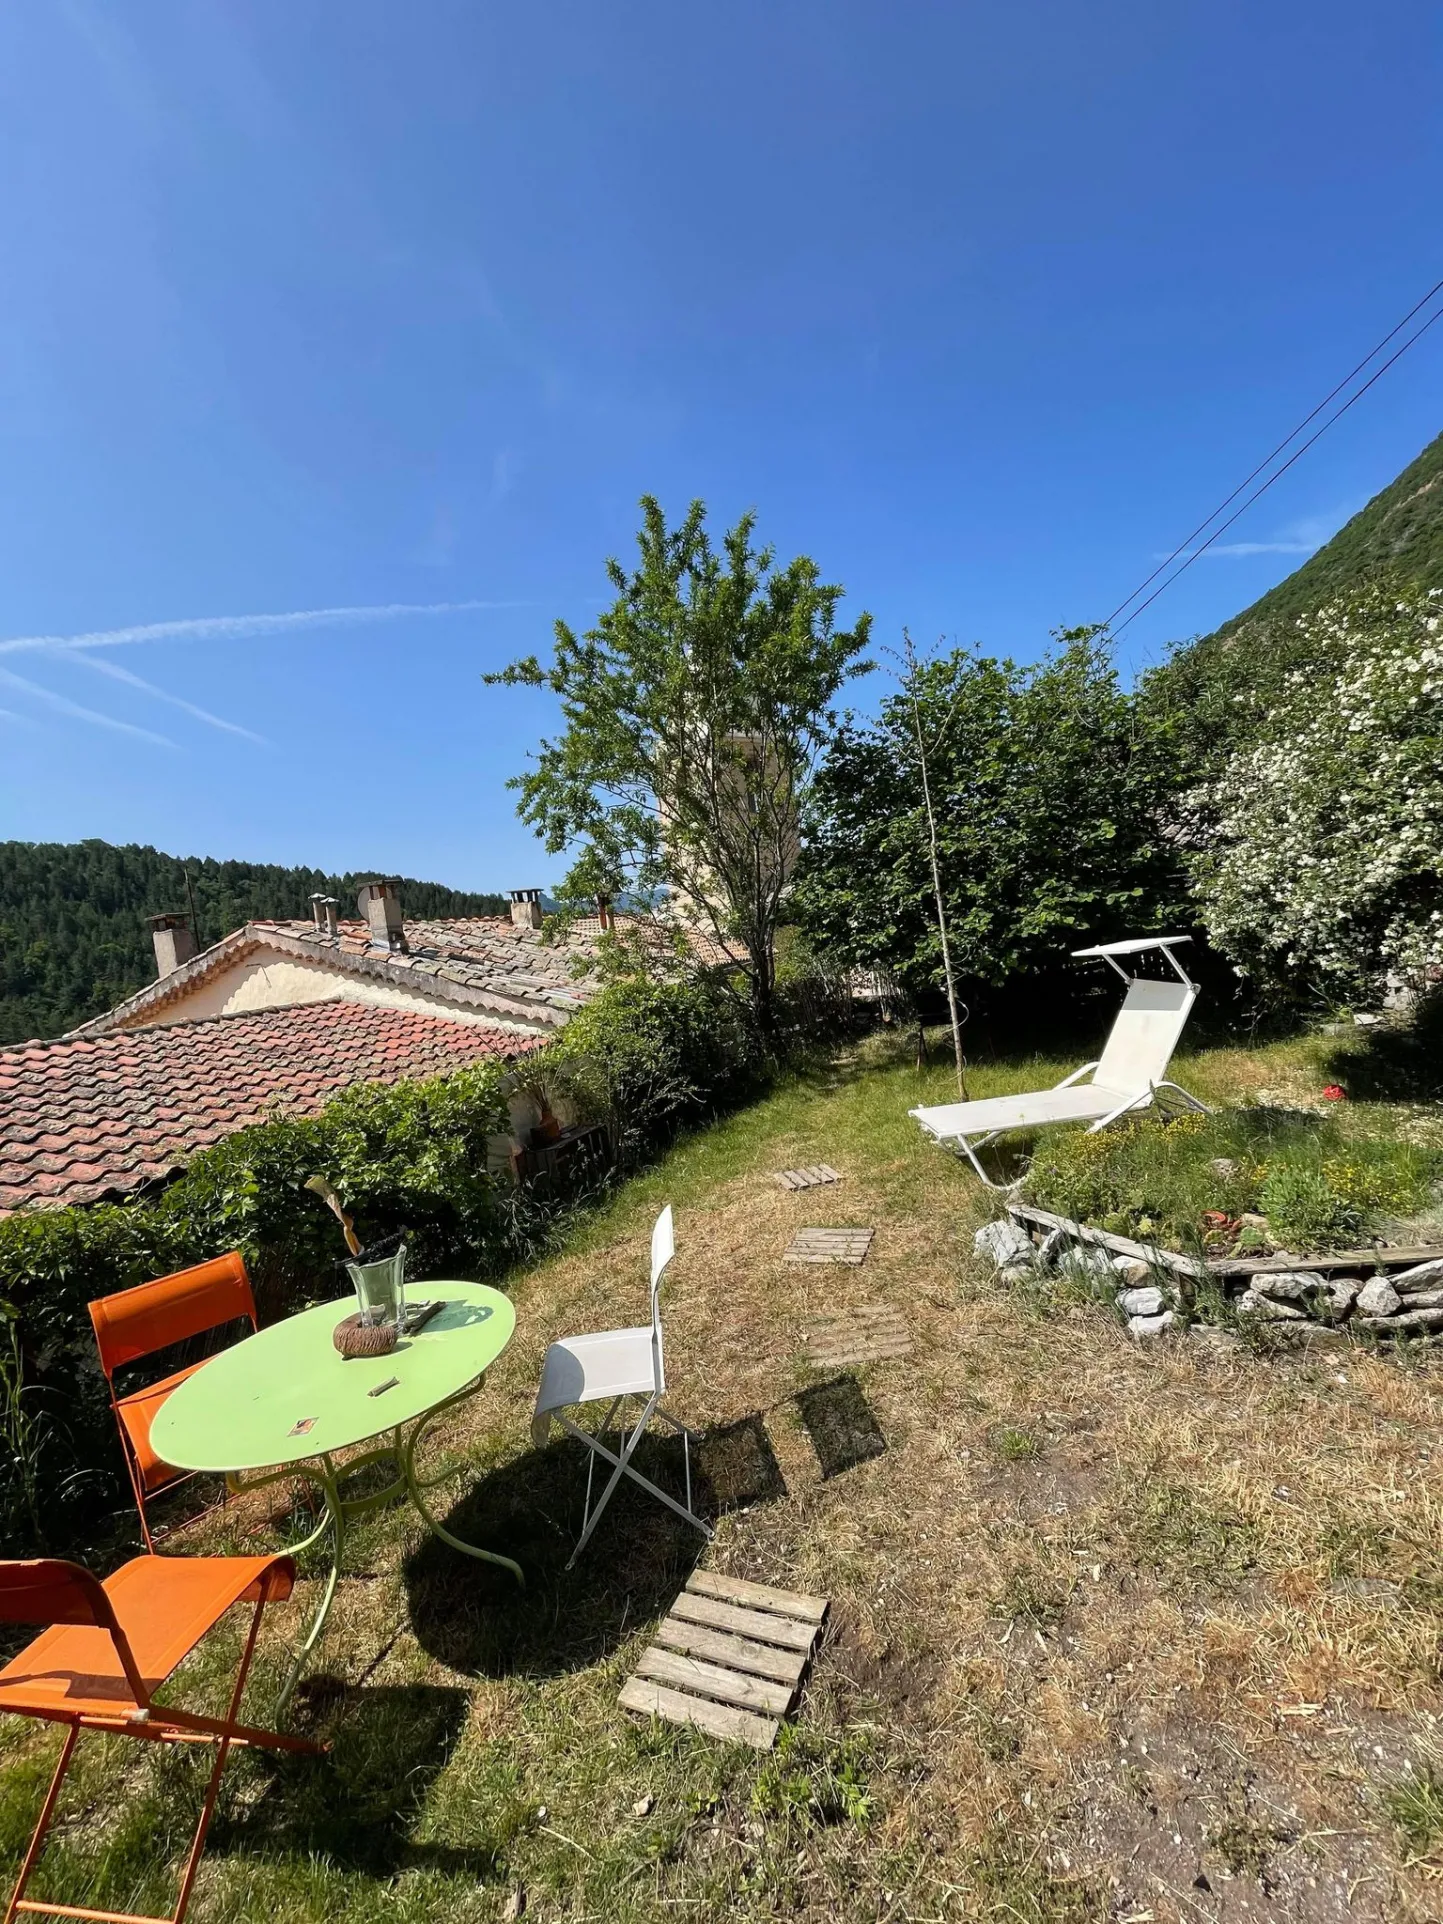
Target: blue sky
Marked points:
377	308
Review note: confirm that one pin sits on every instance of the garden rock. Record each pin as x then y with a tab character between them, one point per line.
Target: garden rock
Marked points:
1132	1272
1378	1298
1419	1321
1289	1285
1052	1248
1141	1302
1089	1264
1017	1273
1421	1298
1250	1303
1005	1245
1145	1327
1298	1285
1423	1276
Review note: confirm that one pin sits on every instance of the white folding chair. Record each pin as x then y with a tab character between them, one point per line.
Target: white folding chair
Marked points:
617	1364
1130	1074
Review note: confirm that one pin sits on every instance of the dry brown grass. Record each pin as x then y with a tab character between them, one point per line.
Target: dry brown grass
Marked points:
1116	1633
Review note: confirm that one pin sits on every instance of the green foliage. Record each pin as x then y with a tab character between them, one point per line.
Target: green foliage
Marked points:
1046	798
810	1779
1318	847
694	713
1321	1184
73	940
656	1056
1305	1209
406	1156
1415	1808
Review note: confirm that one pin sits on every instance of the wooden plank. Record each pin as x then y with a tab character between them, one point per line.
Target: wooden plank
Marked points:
710	1680
718	1720
756	1596
1120	1245
737	1653
846	1327
879	1353
744	1623
860	1313
1396	1257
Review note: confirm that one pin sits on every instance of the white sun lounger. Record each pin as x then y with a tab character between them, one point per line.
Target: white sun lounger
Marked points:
1130	1074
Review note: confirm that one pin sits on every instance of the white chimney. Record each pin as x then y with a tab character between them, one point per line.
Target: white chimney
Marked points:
174	942
526	908
323	914
381	906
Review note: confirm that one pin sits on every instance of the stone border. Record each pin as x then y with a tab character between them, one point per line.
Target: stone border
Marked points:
1391	1293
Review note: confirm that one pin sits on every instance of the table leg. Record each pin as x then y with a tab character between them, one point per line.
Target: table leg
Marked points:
415	1488
335	1521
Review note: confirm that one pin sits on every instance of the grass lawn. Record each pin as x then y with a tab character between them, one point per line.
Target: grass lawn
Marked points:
1116	1633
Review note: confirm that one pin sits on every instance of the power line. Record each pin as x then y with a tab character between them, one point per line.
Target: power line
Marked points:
1296	456
1269	459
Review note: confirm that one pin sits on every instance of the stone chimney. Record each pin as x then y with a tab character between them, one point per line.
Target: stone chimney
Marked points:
381	906
526	908
174	942
603	912
323	914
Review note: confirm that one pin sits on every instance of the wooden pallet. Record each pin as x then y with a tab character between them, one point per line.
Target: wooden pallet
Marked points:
809	1178
729	1657
870	1333
830	1246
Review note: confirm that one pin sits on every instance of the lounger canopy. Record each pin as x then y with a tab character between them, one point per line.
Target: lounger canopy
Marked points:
1129	1075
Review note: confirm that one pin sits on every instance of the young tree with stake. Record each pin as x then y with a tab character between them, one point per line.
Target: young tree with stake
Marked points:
695	713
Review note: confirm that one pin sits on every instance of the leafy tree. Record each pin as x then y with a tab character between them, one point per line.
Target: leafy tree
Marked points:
695	712
1319	848
1045	798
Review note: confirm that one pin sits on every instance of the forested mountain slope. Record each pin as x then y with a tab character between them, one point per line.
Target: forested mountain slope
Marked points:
1399	535
1209	694
73	935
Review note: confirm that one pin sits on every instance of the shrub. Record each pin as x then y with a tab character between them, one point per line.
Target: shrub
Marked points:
407	1156
1319	1186
656	1056
1319	849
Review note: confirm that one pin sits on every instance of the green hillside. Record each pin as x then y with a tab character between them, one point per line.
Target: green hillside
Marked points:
73	935
1208	694
1399	534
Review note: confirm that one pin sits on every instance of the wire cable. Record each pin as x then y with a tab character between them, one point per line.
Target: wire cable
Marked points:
1269	459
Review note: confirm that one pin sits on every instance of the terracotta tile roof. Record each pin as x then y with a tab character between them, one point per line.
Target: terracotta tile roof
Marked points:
82	1118
477	962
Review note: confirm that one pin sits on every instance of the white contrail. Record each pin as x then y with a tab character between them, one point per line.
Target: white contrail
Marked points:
243	627
117	673
68	707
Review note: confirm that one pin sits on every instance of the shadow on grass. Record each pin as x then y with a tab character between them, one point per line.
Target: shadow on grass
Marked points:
842	1425
1396	1062
473	1618
355	1806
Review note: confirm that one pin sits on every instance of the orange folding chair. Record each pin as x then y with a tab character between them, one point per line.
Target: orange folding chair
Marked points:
136	1323
109	1648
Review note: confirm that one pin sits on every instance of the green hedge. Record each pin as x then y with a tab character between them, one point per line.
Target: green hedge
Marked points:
654	1056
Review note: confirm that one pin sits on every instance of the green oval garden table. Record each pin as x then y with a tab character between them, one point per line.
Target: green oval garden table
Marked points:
284	1403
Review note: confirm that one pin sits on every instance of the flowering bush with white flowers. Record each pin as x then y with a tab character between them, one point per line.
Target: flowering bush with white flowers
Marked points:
1319	851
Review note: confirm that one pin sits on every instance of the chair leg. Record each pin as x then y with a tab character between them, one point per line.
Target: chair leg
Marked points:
622	1468
47	1811
212	1790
